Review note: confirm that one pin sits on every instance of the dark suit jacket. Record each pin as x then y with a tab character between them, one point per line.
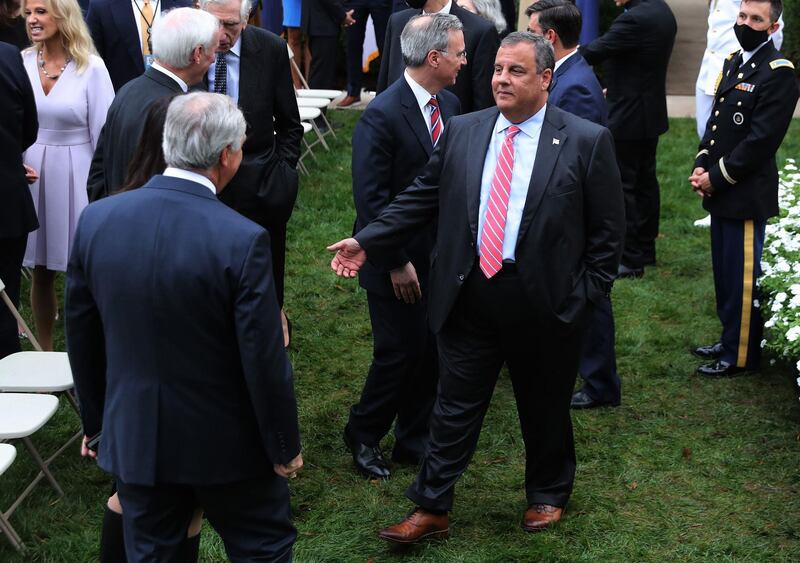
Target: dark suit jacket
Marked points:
120	134
213	400
575	89
474	83
19	126
745	130
322	17
115	33
570	236
272	147
636	50
391	145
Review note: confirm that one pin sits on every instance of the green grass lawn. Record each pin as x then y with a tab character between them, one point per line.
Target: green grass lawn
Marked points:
685	469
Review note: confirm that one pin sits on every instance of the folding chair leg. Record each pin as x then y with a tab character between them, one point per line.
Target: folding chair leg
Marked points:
308	149
42	466
11	533
320	136
20	320
328	123
73	400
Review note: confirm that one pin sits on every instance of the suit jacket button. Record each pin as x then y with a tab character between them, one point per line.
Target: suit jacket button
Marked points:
716	113
712	142
460	277
722	99
713	127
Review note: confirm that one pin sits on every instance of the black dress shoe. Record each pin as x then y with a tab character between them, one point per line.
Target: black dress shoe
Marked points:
710	352
720	368
582	400
368	461
626	272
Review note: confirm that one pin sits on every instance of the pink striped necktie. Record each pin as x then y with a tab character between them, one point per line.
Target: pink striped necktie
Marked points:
436	120
494	225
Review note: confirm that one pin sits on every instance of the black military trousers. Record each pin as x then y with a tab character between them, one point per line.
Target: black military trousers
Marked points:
598	363
402	379
736	247
12	250
637	167
492	324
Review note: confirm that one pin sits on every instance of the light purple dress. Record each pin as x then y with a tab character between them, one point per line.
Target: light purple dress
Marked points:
70	119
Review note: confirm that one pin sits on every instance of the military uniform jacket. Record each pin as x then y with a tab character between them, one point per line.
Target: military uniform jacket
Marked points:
753	107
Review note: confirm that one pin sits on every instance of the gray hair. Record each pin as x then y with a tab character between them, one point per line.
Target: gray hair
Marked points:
425	33
244	10
490	10
198	127
545	58
179	31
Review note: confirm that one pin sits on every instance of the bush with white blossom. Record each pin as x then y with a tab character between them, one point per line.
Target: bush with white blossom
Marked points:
780	282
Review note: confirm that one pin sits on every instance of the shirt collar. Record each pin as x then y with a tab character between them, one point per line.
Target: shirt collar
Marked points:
421	94
237	47
445	10
747	55
171	74
531	126
191	176
563	59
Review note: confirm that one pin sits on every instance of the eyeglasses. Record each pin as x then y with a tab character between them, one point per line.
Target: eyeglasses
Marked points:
460	55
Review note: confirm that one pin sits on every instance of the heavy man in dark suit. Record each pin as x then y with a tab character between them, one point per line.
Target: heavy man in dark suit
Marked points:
736	175
575	89
179	64
252	67
119	30
473	85
206	417
530	213
636	51
19	126
392	142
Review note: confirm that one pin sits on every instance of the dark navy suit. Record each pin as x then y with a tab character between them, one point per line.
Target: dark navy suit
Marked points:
115	33
391	145
575	89
176	347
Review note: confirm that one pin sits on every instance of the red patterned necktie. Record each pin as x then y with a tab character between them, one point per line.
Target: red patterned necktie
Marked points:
494	225
436	120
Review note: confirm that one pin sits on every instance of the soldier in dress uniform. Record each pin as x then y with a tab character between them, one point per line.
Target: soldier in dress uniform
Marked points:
736	175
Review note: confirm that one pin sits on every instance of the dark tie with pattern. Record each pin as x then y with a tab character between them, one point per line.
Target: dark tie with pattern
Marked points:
221	75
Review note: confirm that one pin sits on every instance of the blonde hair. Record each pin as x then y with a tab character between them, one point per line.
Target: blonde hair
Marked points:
75	36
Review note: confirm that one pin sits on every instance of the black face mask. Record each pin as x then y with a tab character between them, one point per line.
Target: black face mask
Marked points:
416	4
748	37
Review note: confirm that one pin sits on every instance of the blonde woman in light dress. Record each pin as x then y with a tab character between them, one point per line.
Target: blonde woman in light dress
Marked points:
73	92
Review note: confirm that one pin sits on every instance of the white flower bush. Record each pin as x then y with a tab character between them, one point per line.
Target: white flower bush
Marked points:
780	281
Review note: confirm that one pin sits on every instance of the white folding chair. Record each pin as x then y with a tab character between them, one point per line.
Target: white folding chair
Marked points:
320	104
309	115
305	90
7	455
300	164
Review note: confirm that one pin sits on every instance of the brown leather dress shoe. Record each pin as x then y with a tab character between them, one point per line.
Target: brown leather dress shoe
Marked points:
418	525
540	516
348	101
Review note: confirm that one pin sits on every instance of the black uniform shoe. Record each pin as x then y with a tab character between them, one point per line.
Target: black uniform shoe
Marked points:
582	400
368	461
710	352
625	272
720	368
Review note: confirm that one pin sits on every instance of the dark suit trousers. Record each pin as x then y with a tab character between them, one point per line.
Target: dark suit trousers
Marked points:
12	250
736	247
277	244
252	517
380	10
492	324
402	378
637	167
322	72
598	363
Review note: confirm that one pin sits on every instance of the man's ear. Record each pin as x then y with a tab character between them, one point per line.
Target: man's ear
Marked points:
225	157
433	58
773	28
547	77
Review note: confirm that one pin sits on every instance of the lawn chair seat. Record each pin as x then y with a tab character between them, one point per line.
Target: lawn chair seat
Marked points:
309	115
7	455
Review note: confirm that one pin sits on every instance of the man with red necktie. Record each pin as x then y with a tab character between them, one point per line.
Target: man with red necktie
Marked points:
392	142
530	220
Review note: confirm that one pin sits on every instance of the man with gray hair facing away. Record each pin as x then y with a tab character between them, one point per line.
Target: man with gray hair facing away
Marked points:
391	144
184	41
208	416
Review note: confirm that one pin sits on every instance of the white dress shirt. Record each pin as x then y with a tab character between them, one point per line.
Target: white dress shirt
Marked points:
137	5
172	75
423	97
525	144
444	10
233	59
191	176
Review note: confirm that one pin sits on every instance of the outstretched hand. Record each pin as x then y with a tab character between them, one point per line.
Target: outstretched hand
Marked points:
348	259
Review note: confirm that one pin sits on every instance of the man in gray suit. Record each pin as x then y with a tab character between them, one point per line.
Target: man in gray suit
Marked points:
529	204
185	41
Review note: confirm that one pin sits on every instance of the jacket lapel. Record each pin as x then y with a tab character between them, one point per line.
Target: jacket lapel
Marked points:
746	70
551	139
414	117
479	137
129	31
248	83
